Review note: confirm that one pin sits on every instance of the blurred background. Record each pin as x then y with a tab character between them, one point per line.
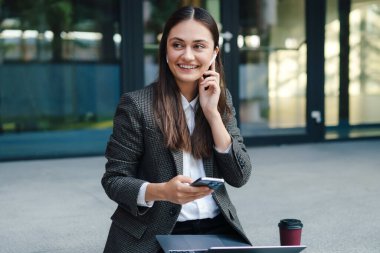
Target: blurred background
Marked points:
298	70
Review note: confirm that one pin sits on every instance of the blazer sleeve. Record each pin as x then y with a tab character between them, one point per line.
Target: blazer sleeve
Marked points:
235	166
124	151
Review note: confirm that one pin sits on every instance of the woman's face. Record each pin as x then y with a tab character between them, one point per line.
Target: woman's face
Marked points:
190	49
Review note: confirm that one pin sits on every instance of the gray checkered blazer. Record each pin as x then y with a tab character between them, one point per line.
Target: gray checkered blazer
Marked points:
136	154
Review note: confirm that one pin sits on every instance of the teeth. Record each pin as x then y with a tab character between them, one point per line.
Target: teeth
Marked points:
187	66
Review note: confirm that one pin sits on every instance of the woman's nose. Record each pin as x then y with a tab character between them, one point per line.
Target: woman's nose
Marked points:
188	54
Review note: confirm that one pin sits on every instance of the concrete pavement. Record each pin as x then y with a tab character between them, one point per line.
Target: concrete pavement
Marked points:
59	205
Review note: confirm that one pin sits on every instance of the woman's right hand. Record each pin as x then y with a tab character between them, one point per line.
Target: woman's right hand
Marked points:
177	190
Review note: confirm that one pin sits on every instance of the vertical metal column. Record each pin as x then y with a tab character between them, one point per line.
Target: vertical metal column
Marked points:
230	22
344	35
132	47
315	37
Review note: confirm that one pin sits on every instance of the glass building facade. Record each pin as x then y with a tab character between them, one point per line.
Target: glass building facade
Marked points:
298	70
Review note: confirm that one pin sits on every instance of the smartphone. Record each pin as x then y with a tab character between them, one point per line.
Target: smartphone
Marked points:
210	182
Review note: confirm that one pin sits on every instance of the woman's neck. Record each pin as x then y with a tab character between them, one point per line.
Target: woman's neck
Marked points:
189	91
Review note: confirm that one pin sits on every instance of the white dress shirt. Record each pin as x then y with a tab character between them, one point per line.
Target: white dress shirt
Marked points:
201	208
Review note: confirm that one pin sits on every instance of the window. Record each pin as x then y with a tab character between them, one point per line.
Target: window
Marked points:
59	64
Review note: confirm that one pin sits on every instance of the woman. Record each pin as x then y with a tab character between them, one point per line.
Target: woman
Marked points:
170	133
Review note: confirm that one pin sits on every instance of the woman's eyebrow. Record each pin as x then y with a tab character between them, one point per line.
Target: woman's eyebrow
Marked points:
196	41
201	40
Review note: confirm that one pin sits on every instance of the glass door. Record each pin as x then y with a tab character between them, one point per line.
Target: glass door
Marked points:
352	87
272	67
364	62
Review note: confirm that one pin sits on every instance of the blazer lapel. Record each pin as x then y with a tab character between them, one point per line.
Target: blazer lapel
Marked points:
207	164
178	160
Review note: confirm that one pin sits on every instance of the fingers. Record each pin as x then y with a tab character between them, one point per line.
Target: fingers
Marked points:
194	194
189	190
179	191
212	79
187	199
211	73
209	85
183	179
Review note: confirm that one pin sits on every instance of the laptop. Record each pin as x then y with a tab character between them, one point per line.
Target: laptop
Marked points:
216	244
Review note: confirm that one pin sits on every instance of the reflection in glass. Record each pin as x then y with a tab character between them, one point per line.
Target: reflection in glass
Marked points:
364	62
58	64
59	30
332	52
272	67
364	87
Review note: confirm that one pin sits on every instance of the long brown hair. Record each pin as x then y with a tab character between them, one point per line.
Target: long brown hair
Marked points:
168	110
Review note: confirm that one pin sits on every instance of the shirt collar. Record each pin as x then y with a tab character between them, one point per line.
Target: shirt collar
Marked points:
186	104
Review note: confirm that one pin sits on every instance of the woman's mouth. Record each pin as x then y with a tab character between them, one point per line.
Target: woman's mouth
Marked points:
186	66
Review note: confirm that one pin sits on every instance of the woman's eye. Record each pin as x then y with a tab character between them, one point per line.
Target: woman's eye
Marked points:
177	45
199	46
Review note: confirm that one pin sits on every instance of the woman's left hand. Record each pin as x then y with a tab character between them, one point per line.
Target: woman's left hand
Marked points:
209	92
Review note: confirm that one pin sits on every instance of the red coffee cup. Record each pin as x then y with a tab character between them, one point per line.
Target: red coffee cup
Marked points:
290	232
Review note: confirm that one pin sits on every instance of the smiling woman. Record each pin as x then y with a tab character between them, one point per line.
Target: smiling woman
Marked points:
172	132
188	47
188	57
155	14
